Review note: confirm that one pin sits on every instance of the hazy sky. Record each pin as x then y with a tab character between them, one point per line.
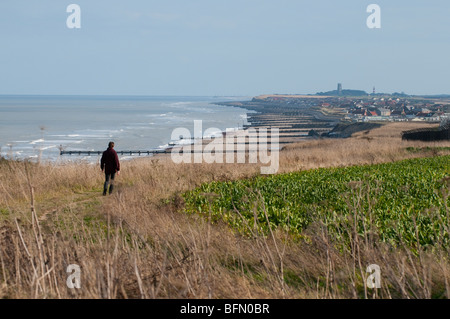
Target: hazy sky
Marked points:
227	47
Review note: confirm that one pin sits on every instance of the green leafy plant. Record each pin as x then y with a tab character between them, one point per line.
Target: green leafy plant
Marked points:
400	203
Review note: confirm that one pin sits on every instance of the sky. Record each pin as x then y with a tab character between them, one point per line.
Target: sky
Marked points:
223	48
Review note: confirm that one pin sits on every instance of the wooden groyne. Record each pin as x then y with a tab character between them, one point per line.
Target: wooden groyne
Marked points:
294	120
131	153
169	150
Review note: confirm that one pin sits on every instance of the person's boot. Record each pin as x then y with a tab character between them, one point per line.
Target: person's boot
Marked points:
105	187
111	187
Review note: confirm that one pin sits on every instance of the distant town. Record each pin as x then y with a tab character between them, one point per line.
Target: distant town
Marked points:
359	106
340	113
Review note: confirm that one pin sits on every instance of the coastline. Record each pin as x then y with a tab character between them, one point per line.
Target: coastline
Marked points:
39	129
298	121
294	123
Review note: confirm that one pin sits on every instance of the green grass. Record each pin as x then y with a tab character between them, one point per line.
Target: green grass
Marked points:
389	201
4	213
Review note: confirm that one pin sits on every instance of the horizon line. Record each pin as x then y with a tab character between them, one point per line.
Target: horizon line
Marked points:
213	96
118	95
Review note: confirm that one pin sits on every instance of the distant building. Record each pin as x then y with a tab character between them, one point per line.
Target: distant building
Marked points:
339	88
385	112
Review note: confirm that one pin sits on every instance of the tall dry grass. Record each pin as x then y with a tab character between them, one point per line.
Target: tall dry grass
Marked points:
137	243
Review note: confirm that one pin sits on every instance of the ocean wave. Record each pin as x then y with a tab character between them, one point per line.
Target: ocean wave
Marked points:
65	135
47	147
37	141
177	104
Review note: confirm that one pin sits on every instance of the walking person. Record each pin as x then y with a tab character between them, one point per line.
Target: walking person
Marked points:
110	165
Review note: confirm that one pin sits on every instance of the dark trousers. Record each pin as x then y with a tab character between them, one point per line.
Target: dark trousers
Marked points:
109	180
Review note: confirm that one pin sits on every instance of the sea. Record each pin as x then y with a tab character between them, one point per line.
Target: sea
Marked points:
39	127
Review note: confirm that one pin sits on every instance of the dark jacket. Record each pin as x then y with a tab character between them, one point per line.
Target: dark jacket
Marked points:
110	161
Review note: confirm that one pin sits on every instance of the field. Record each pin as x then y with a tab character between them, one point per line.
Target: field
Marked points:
401	203
328	218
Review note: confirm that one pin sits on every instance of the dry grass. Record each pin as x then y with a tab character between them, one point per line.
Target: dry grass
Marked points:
380	145
137	243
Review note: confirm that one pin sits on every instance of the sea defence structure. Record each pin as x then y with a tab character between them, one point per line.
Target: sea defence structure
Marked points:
296	116
428	135
92	153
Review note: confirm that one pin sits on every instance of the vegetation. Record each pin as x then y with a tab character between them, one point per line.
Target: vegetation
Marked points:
344	93
404	202
140	243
